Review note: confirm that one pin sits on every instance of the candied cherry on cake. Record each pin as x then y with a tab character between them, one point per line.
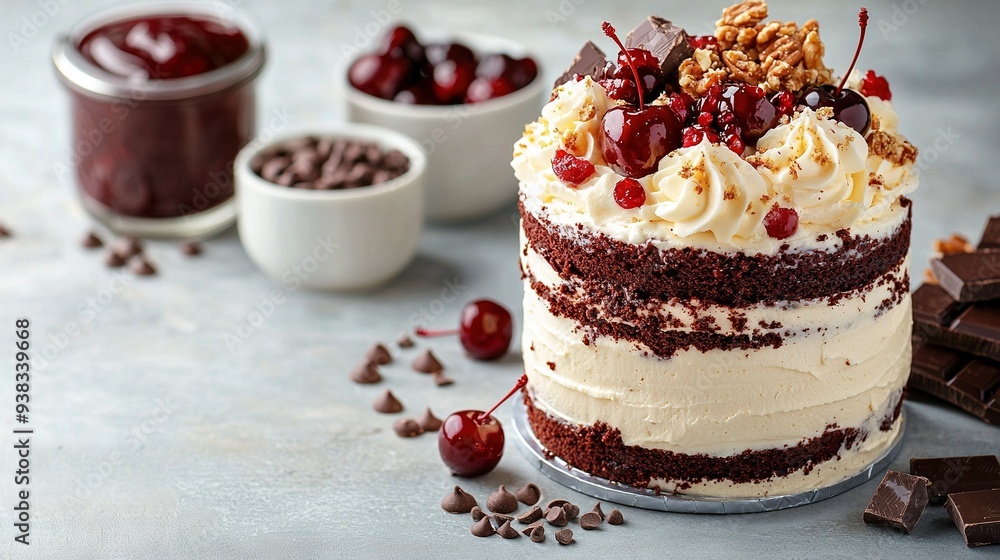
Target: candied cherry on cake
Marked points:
629	194
570	169
849	106
471	441
380	75
485	330
781	223
873	85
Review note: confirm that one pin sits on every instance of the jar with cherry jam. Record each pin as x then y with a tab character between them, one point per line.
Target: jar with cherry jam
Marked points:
162	99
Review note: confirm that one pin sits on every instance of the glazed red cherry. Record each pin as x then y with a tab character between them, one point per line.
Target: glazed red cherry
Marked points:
634	141
452	79
781	223
693	135
629	194
873	85
754	113
401	42
571	169
485	330
379	75
439	52
784	103
849	106
471	441
419	93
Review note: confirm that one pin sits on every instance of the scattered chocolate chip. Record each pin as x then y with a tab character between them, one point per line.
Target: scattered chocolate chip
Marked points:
458	501
378	354
572	511
407	427
404	341
597	509
507	532
128	246
113	260
537	534
477	513
366	373
528	494
501	518
5	233
555	503
564	536
527	530
556	516
139	266
483	528
589	520
387	403
428	422
616	517
191	249
427	363
442	380
501	501
532	515
91	241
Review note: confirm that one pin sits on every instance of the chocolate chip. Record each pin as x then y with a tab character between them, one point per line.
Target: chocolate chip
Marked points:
428	422
590	520
556	516
458	501
273	168
140	266
404	341
128	246
91	241
407	427
564	536
191	249
555	503
378	354
537	534
597	509
113	260
527	530
366	373
616	517
507	532
531	516
477	513
501	501
483	528
426	362
5	233
387	403
528	494
396	161
442	380
572	511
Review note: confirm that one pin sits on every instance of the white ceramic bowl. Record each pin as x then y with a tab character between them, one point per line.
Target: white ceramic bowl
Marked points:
338	239
468	147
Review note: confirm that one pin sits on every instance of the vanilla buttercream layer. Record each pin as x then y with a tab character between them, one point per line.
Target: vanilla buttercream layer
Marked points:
719	402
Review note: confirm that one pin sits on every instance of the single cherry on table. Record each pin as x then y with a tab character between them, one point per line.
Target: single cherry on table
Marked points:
471	441
485	330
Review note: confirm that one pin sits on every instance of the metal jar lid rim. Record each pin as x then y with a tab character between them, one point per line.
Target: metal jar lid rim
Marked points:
83	76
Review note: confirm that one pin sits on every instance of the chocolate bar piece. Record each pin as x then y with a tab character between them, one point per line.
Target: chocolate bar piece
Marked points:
991	236
666	41
977	516
970	276
967	382
932	304
590	61
973	328
951	475
899	501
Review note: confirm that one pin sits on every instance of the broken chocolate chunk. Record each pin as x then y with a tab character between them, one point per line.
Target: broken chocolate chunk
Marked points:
537	534
991	236
970	276
531	516
957	474
977	516
898	502
590	61
666	41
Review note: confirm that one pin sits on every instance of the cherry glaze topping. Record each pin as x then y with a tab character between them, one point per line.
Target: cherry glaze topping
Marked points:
571	169
629	194
781	223
873	85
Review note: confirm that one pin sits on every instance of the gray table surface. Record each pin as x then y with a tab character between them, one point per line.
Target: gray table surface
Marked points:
155	440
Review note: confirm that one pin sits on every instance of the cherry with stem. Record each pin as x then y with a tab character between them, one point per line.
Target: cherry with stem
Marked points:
485	330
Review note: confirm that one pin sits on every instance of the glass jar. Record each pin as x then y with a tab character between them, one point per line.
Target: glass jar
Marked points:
154	147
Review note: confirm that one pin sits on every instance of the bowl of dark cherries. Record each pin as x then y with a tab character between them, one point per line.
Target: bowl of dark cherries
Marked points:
464	98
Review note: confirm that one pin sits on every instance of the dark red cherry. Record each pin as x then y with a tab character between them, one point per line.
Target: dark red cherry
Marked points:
784	103
471	441
524	71
849	106
621	89
754	113
634	141
781	223
485	330
873	85
400	42
682	104
482	89
379	75
419	93
571	169
438	52
452	79
648	67
693	135
629	194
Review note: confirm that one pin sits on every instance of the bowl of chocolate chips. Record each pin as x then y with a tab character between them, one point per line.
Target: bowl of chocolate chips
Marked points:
334	210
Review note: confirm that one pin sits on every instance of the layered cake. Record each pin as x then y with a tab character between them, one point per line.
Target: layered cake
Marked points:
714	245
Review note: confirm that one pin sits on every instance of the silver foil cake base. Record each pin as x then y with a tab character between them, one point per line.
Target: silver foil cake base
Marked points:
605	490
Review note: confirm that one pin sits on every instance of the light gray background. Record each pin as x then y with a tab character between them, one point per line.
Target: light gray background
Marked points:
155	441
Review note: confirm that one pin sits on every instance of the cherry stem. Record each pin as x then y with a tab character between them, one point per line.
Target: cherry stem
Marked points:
609	30
863	22
521	382
430	332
